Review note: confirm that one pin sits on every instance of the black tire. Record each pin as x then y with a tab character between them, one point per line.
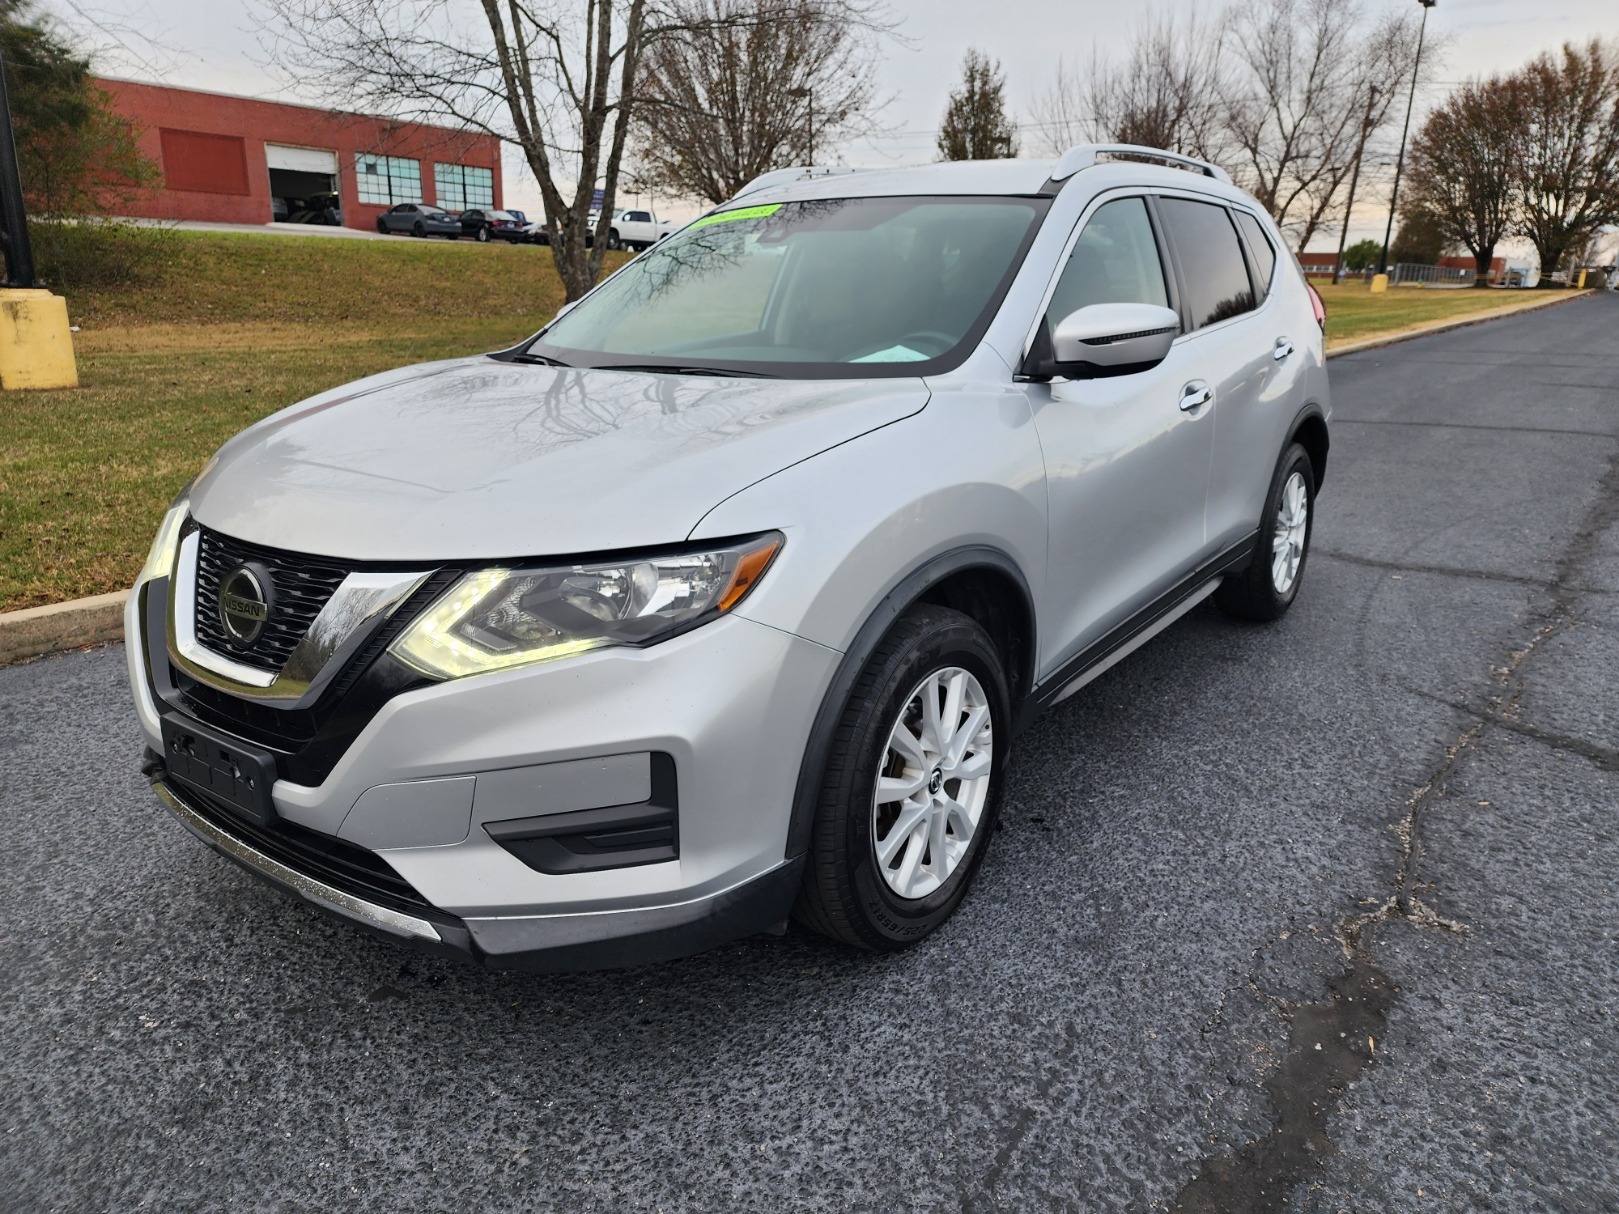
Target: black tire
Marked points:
613	242
418	228
1252	594
483	235
844	895
382	228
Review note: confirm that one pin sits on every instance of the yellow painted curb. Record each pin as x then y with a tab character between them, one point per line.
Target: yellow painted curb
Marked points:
1457	322
36	345
35	631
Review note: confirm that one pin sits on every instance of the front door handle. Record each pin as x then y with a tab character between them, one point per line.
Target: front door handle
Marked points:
1195	395
1282	350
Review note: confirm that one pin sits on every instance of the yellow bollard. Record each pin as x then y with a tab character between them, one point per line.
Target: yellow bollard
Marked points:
36	346
1581	283
1380	283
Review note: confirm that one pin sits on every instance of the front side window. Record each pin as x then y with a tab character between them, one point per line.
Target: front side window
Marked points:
386	180
832	288
1115	260
1212	266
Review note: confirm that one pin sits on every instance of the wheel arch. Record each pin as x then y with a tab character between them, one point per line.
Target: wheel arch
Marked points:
979	581
1309	430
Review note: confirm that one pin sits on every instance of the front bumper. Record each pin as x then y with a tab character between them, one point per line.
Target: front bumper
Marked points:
536	943
420	787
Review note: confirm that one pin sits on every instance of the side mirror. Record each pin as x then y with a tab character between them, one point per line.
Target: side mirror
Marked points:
1104	340
564	310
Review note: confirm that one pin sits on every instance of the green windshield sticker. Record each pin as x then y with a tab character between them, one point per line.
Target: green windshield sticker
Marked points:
894	354
740	213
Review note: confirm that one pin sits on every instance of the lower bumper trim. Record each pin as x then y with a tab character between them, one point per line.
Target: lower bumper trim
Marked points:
394	923
534	943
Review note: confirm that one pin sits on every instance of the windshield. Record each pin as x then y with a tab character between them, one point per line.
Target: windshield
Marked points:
834	288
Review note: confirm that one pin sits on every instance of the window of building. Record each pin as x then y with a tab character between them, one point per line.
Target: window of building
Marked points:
388	179
461	186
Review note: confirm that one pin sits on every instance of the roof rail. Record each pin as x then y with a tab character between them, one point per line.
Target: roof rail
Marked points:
798	173
1084	157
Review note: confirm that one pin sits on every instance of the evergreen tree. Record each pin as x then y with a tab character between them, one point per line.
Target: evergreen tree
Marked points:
75	155
976	124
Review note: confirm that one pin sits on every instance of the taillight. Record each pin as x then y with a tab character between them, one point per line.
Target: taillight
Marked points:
1319	308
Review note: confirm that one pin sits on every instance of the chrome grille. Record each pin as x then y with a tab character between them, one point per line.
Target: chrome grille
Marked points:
302	586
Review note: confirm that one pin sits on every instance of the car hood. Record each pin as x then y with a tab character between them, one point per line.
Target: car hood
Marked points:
479	459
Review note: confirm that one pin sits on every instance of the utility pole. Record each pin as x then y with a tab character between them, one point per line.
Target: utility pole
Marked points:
1354	180
1399	165
809	100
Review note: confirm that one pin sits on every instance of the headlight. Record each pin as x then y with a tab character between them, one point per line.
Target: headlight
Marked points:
160	560
499	618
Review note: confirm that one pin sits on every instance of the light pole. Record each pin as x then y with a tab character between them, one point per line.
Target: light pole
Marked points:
809	100
1399	165
1354	180
19	253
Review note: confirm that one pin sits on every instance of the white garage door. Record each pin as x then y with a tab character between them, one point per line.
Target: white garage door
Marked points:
300	160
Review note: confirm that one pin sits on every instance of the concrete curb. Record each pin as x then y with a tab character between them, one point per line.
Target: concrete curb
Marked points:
1461	322
36	631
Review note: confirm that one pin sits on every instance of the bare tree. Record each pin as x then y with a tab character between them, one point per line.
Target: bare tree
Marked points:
976	124
552	77
740	87
1568	148
1163	94
1463	173
1296	106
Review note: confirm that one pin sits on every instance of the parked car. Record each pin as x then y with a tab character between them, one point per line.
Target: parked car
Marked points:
419	219
724	597
325	209
520	216
637	229
484	226
540	233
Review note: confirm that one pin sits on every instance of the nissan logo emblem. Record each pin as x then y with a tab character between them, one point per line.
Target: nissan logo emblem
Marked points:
244	603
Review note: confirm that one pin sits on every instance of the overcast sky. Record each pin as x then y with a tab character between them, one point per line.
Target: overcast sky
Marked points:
212	45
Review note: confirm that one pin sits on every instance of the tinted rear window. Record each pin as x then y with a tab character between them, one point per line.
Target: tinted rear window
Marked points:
1260	246
1216	276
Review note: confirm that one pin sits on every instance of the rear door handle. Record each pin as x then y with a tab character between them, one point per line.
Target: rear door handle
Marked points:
1282	350
1195	395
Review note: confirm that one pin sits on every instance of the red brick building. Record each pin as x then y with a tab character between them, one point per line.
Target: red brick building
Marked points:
238	160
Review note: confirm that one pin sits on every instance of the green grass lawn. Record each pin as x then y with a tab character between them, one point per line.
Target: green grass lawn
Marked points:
240	326
1354	313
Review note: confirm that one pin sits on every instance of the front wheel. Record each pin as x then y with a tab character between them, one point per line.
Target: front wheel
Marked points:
613	242
382	228
912	785
1266	589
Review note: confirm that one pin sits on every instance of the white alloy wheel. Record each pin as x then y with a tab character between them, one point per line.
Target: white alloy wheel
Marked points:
933	782
1287	541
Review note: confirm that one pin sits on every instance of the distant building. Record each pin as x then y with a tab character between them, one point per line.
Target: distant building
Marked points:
231	159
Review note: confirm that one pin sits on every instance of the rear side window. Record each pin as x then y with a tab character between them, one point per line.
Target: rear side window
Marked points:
1212	266
1264	253
1115	260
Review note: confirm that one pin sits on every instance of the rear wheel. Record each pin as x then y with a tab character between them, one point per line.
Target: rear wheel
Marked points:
483	235
912	785
418	228
613	242
1267	588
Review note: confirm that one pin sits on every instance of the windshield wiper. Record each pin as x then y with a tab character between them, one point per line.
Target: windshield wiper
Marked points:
681	369
538	360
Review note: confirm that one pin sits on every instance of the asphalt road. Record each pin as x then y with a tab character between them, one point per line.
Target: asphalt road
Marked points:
1314	917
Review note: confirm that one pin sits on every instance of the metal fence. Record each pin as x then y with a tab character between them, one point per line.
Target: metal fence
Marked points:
1406	274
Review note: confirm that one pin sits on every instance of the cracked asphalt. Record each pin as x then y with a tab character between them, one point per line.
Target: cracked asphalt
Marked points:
1390	817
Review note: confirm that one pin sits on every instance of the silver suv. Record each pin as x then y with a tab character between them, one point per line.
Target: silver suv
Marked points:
723	599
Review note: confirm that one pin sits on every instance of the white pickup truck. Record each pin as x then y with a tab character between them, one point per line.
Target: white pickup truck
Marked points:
635	229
